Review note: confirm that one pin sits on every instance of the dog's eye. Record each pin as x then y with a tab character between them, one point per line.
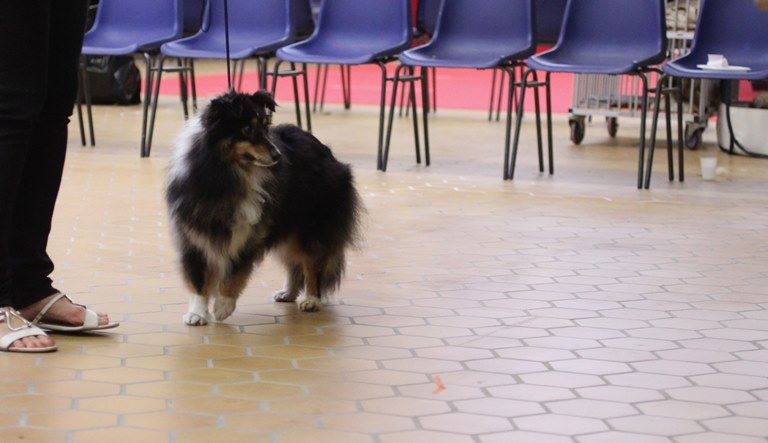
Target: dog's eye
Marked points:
249	131
249	157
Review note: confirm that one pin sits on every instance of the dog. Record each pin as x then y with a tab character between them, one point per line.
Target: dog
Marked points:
238	188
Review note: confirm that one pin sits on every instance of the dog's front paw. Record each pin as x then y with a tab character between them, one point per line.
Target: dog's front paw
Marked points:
223	307
284	296
195	319
310	304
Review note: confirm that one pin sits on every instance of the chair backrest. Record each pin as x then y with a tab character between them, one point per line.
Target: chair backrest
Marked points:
734	28
426	15
150	18
248	17
193	15
549	20
638	27
301	17
479	22
385	23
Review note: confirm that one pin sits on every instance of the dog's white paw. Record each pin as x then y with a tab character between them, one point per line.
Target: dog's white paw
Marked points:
284	296
310	304
223	307
195	319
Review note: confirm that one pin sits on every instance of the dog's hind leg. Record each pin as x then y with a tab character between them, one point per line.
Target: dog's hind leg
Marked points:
200	282
294	283
230	289
312	296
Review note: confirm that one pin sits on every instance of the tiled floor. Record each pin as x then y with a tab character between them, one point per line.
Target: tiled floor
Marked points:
548	309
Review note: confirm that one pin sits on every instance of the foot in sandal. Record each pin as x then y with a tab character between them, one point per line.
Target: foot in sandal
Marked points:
19	335
58	313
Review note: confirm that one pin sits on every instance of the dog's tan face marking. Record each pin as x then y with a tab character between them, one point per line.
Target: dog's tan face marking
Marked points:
250	154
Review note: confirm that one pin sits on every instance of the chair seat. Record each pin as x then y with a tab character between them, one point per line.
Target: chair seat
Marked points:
686	67
462	56
120	43
337	52
205	45
591	62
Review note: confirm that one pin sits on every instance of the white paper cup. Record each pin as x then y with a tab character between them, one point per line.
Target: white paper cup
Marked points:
708	168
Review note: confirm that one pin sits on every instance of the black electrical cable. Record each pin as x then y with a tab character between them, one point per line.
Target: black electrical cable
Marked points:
226	44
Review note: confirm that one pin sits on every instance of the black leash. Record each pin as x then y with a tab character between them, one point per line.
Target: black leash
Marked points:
226	44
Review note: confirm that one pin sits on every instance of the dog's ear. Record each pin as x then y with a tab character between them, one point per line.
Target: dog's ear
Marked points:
265	106
217	111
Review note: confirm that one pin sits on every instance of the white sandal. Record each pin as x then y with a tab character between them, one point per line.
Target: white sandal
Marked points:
91	322
15	327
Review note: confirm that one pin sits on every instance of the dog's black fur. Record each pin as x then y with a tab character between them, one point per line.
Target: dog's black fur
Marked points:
238	188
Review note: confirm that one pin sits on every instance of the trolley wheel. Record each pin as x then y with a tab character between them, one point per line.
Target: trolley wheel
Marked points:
613	126
693	136
577	130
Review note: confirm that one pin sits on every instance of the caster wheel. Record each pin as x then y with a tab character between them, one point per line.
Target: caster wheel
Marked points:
612	124
577	131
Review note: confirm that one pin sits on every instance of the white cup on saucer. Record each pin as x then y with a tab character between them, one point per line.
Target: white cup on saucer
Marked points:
716	60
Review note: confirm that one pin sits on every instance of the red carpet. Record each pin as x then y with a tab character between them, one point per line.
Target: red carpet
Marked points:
456	88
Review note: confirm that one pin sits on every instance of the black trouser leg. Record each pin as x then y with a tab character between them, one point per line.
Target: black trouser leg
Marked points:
40	43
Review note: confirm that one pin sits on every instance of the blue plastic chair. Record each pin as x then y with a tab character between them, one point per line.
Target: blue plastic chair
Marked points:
738	30
498	35
356	32
256	29
604	37
136	26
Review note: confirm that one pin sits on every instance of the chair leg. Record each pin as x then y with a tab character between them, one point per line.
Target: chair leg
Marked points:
643	118
537	105
240	75
680	138
325	85
382	104
295	82
89	109
183	88
654	126
156	94
402	103
145	105
510	160
501	93
275	71
346	89
306	96
425	108
191	65
412	100
390	121
493	93
548	93
318	73
670	155
79	104
262	68
434	89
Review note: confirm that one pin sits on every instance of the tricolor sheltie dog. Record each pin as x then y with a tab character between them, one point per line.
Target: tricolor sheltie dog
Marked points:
238	188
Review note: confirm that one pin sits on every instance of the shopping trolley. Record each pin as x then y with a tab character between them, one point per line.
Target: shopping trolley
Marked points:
620	96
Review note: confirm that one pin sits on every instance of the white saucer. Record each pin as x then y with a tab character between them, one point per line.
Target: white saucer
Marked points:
724	68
